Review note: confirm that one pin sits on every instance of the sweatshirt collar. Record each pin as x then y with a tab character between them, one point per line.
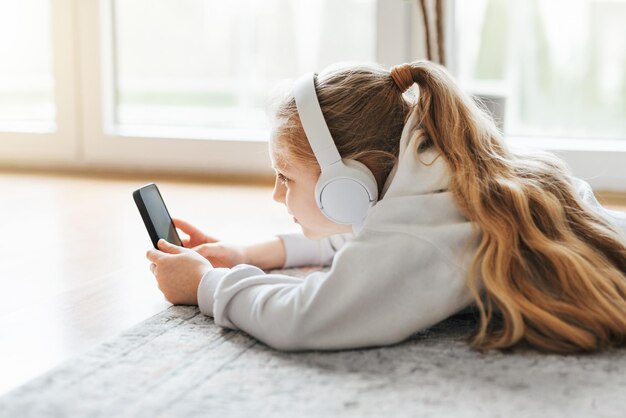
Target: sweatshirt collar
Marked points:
414	173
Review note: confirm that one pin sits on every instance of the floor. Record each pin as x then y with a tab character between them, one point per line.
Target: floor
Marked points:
72	270
178	363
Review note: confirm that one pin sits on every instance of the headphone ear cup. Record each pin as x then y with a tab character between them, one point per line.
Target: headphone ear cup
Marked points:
345	192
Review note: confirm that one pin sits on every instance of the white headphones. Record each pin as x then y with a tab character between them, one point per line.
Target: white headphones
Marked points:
346	188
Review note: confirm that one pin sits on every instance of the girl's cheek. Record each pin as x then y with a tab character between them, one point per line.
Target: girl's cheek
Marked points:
288	199
292	203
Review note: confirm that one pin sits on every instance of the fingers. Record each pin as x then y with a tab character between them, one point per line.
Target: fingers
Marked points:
154	255
185	226
169	248
166	248
207	250
210	240
193	232
152	268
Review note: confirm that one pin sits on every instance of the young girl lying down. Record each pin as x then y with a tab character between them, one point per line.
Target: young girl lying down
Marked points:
421	210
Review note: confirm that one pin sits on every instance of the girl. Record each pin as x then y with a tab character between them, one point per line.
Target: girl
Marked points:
460	219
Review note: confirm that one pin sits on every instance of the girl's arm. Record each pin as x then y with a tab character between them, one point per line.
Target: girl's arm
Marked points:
366	299
301	251
293	250
265	255
284	251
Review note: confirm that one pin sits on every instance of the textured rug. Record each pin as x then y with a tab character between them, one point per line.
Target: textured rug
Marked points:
180	364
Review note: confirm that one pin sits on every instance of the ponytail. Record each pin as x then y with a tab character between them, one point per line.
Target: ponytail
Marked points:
548	270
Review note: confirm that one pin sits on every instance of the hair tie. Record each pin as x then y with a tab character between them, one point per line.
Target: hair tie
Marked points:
402	76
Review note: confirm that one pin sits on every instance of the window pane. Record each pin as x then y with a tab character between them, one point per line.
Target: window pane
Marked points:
26	79
211	63
561	63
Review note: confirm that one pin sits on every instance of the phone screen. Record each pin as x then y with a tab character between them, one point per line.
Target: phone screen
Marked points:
161	221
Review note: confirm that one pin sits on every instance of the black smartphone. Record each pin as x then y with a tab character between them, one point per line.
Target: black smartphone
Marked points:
155	215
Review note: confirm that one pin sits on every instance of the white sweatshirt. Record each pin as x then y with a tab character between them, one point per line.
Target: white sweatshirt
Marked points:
404	271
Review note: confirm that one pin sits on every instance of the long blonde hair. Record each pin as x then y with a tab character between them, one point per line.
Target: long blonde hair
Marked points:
548	270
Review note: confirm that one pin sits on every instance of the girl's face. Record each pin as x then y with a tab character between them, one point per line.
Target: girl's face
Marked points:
295	188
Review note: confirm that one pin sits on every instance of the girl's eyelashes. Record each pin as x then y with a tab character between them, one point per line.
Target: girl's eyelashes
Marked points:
284	180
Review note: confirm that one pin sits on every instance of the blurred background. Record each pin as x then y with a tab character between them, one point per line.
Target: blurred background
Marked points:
183	85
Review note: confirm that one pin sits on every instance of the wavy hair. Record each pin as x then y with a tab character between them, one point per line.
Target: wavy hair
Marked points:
548	270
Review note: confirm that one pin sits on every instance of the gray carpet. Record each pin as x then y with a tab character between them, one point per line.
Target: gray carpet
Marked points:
180	364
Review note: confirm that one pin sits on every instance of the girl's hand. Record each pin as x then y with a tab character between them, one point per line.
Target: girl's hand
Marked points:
196	237
222	254
178	272
219	254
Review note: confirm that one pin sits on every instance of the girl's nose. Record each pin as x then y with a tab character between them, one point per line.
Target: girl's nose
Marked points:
279	192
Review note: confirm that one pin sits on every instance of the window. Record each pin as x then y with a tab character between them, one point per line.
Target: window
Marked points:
168	84
26	79
183	84
38	112
560	64
210	64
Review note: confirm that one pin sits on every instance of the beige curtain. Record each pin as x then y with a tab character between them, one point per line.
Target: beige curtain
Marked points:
432	15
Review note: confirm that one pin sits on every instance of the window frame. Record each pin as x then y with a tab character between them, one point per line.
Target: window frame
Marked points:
61	144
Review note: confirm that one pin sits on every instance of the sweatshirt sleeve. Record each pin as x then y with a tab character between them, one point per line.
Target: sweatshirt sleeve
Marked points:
301	251
364	300
615	218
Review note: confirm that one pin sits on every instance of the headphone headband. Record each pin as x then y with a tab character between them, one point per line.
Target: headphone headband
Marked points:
345	189
313	122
